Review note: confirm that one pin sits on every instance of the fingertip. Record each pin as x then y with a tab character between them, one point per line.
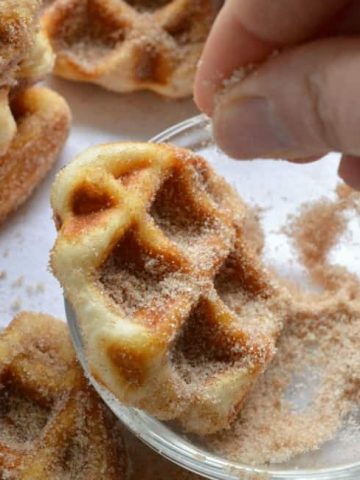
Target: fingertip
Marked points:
229	47
349	171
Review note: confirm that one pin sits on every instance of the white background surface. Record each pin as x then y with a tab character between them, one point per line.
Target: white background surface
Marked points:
26	238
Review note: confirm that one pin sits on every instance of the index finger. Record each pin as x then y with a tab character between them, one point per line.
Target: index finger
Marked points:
248	31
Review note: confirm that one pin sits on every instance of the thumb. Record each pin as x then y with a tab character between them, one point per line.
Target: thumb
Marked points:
302	103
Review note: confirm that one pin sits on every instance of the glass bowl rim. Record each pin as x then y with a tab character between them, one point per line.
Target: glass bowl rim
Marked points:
184	453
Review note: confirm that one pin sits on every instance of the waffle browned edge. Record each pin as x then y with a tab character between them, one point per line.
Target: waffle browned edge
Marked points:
43	121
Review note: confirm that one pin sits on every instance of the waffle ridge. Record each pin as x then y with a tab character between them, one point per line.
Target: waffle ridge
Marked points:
151	256
128	45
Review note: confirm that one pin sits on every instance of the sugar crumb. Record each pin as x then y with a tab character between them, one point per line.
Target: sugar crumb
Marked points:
40	287
16	305
19	282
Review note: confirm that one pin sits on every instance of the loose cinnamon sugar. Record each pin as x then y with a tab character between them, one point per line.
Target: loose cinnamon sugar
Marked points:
254	233
312	388
271	428
316	231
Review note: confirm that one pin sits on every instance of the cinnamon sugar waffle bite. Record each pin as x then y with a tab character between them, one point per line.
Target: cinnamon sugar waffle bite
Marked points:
52	423
128	45
177	314
42	121
21	47
34	122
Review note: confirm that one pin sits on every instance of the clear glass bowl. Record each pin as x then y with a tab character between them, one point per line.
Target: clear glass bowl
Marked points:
279	188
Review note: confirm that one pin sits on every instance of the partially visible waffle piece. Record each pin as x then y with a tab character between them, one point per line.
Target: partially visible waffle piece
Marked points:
128	45
17	27
25	54
34	122
52	423
178	316
21	43
42	119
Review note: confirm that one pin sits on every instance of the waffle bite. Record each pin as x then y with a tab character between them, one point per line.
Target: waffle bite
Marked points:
128	45
177	314
52	423
33	121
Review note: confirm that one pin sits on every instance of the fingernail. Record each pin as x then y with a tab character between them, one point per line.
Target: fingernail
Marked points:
248	128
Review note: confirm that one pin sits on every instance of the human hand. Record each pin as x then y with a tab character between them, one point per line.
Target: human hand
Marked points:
297	105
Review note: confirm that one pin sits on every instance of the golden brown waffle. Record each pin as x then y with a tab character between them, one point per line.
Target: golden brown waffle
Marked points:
42	119
127	45
177	314
52	423
34	122
17	30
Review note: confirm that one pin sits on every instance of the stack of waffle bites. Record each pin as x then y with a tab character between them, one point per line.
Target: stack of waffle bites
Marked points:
34	120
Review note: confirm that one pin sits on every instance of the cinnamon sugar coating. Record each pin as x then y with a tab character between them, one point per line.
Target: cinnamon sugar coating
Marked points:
30	136
128	45
52	423
178	315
